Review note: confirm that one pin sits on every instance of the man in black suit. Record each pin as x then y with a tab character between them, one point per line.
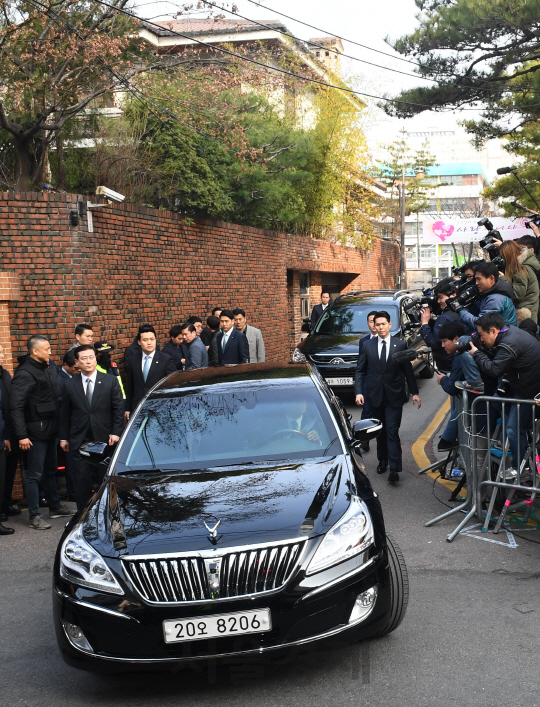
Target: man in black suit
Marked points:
135	347
318	309
173	347
146	368
92	410
70	368
381	381
232	345
366	409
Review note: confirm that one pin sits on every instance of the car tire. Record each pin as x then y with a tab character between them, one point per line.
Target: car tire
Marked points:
429	369
399	587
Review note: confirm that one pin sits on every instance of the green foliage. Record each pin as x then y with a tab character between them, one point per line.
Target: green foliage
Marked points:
480	53
526	147
238	156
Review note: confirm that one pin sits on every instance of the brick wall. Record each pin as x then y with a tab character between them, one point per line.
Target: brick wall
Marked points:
142	264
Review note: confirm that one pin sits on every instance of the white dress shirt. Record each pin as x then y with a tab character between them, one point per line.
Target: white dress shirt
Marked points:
380	343
145	356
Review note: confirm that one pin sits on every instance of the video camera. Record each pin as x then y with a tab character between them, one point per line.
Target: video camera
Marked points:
413	309
488	243
465	294
535	220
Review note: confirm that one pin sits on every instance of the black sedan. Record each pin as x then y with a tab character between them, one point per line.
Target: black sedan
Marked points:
235	519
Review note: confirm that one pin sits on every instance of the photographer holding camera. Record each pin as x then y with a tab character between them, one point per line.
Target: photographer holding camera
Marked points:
430	327
495	296
449	334
514	354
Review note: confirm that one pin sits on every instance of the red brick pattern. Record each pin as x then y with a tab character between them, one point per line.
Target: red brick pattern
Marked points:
142	264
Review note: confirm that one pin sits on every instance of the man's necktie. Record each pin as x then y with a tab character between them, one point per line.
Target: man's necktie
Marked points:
146	368
89	391
383	353
225	340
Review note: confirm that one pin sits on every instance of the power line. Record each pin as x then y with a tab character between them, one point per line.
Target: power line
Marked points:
343	89
310	42
344	39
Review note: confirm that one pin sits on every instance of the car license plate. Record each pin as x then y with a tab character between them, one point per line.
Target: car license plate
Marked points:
199	628
339	381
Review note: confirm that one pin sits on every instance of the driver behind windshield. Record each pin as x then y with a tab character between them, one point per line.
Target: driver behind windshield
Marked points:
299	419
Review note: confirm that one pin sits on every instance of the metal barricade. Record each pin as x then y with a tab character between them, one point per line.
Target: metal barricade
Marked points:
490	428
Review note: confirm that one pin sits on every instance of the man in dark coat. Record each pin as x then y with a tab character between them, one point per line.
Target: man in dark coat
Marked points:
318	309
380	380
34	415
514	354
7	506
232	345
92	410
173	347
135	347
147	367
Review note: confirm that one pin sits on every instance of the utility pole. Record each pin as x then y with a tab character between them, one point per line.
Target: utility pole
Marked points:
402	264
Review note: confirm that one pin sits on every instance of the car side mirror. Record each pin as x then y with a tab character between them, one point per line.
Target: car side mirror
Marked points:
96	453
365	430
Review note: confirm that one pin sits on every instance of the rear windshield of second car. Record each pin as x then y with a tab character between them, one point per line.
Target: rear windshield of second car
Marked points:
352	318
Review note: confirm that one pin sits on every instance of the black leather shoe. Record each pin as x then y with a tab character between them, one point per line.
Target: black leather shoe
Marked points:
393	476
43	502
3	517
13	510
381	467
6	531
364	446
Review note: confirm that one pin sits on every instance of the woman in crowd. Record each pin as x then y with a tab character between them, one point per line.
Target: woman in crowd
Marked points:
520	272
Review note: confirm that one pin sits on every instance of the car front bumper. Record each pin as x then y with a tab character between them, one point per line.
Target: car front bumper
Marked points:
126	634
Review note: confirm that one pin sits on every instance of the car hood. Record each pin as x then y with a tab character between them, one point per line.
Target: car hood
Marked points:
331	344
146	514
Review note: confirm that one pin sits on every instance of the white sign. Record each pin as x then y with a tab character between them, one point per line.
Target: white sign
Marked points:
467	230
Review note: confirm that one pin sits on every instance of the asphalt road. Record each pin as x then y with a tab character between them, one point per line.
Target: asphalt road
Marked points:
471	635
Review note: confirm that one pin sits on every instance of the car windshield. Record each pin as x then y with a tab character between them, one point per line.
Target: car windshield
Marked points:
352	318
203	428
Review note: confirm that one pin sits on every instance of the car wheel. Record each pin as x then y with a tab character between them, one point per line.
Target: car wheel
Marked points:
429	369
399	587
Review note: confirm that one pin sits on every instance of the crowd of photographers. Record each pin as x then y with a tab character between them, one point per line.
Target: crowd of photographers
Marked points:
482	326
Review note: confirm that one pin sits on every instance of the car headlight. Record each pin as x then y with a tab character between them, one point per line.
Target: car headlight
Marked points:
352	534
81	564
298	356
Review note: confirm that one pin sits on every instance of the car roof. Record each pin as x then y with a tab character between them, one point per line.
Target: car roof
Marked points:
368	298
244	374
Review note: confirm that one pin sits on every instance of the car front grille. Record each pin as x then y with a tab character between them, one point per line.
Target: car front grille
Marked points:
181	578
327	358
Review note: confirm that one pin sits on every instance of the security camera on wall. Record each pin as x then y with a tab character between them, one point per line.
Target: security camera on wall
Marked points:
110	194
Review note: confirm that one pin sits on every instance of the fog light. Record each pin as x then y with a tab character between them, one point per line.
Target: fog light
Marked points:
363	605
76	637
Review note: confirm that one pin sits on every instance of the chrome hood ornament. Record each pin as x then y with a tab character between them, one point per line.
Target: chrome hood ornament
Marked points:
213	532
